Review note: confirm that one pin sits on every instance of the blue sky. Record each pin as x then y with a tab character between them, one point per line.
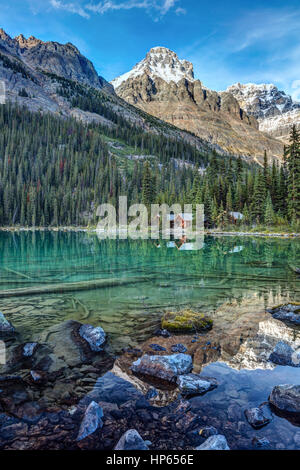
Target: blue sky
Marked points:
227	41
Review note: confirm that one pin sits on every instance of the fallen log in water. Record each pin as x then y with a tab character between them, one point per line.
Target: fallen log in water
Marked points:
73	286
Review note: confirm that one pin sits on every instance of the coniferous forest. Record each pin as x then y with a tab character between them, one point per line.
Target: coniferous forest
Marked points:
58	174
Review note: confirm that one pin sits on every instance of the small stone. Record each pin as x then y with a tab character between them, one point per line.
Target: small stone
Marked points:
261	443
286	398
208	431
284	355
217	442
258	417
152	393
6	328
131	440
95	336
162	332
178	348
157	347
91	420
29	349
194	384
36	377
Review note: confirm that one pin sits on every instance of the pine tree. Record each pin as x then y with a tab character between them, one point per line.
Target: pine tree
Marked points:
269	211
259	196
292	155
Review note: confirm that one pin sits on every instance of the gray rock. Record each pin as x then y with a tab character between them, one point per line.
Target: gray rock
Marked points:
217	442
95	336
29	349
194	384
6	328
259	417
286	398
131	440
166	368
289	313
91	421
284	355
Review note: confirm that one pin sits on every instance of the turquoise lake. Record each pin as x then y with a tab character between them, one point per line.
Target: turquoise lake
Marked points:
156	279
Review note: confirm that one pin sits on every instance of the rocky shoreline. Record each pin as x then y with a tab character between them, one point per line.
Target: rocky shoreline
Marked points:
206	232
66	389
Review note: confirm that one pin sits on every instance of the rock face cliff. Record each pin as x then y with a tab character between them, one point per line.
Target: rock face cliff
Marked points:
164	85
275	111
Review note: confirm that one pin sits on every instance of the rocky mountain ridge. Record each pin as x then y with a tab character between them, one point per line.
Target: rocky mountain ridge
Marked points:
164	86
275	111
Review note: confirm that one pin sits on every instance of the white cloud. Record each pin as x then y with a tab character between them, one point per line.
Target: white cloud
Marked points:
159	7
70	7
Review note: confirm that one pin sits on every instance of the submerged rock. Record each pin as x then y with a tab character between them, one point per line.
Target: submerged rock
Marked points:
194	384
178	348
157	347
286	398
289	313
284	355
259	416
131	440
164	333
261	443
186	321
217	442
95	336
113	389
91	420
28	349
6	328
166	368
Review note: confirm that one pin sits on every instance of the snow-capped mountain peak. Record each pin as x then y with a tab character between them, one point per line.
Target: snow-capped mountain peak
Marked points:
159	62
262	100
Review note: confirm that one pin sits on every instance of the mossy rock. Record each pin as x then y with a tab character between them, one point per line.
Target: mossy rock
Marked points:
186	321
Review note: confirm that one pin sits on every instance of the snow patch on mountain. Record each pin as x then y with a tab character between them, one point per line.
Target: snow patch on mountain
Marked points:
159	62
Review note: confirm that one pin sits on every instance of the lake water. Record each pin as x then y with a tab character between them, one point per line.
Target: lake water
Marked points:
156	279
229	278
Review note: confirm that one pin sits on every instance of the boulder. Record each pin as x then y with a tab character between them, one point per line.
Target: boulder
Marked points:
131	440
286	399
91	421
95	336
162	333
284	355
113	389
287	313
217	442
194	384
259	416
186	321
6	328
167	368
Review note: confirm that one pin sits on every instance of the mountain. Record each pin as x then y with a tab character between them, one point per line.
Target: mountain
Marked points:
57	78
164	86
275	111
